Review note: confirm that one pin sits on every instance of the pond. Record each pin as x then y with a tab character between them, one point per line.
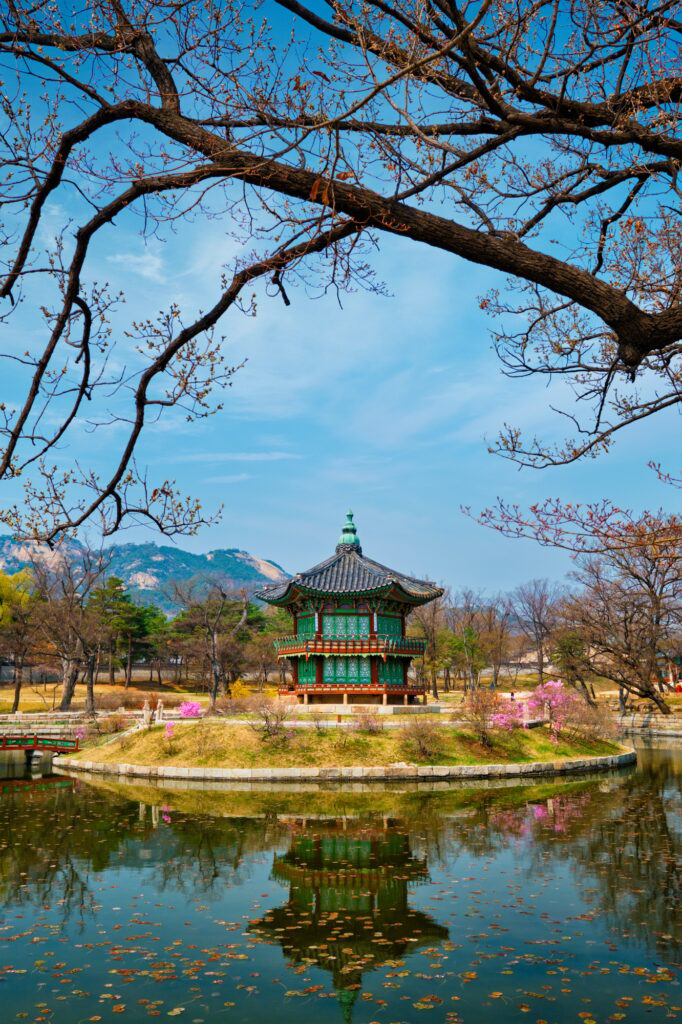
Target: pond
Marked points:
554	903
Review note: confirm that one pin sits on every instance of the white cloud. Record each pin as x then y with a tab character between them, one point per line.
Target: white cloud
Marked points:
236	457
234	478
147	264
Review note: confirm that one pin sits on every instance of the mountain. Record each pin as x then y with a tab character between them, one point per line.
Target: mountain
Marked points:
148	570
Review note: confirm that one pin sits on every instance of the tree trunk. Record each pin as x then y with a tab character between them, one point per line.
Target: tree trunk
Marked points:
129	661
90	686
158	672
541	664
434	683
660	703
587	692
18	679
446	679
112	675
215	684
69	679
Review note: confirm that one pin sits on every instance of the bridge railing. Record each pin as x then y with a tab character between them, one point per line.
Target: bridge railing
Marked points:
36	742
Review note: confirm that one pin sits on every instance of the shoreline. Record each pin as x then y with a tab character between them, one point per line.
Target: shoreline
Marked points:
398	771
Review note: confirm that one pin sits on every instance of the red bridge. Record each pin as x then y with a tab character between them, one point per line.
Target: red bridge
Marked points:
34	741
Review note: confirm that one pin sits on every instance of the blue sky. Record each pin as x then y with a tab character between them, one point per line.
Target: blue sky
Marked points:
385	405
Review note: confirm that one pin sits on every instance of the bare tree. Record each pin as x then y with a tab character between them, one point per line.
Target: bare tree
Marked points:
428	621
487	130
64	581
627	614
535	608
208	615
495	632
464	621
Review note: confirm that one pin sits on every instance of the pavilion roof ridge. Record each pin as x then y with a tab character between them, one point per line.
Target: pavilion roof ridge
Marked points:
349	571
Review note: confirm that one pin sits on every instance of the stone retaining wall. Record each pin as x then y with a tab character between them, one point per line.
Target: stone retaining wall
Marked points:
393	771
651	724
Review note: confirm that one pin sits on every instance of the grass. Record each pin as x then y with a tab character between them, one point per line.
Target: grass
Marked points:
46	696
214	745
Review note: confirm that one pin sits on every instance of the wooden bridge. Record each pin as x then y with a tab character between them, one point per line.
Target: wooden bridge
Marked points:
34	743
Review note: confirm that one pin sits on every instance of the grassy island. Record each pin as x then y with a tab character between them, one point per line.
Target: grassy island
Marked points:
215	745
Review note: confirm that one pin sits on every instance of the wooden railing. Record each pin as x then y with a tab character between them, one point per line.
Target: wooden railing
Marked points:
380	644
57	744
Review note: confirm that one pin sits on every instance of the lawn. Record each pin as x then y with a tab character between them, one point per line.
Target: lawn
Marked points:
215	745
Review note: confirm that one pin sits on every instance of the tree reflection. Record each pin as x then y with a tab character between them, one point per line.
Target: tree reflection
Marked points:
52	841
348	909
624	835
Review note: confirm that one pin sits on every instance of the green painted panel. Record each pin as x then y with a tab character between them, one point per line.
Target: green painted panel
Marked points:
390	625
345	625
391	672
347	671
306	671
305	626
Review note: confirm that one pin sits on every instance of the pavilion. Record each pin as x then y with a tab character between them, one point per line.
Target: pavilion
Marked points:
349	640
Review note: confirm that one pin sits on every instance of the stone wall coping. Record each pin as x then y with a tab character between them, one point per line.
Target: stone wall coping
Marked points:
353	773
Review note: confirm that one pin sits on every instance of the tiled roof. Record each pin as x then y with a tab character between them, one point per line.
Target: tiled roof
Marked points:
348	571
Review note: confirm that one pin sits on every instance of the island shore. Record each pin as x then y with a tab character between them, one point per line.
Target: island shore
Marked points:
216	752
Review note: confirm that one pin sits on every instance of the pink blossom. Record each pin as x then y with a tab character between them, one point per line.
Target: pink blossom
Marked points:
190	709
510	718
554	702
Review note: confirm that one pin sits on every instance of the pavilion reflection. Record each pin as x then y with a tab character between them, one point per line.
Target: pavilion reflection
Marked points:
348	910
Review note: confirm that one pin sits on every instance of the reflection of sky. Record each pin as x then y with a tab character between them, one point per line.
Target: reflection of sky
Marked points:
181	896
383	404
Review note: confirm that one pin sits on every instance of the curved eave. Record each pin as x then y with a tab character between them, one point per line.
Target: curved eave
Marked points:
296	591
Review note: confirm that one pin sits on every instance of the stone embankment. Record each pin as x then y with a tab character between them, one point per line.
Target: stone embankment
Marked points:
650	724
399	771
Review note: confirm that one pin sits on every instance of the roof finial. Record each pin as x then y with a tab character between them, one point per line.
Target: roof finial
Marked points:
349	534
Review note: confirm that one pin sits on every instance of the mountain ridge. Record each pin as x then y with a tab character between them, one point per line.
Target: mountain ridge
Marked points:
148	569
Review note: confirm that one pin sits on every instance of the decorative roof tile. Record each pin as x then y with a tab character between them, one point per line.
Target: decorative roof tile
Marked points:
348	571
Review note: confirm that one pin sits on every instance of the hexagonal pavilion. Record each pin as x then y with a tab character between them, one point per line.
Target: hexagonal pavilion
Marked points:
349	640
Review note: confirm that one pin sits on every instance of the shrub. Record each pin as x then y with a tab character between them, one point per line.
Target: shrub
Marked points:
508	718
582	719
240	691
554	702
270	718
191	709
318	720
482	705
369	723
422	738
110	724
169	736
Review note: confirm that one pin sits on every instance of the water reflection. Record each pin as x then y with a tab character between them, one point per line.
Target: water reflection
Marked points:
348	910
347	887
